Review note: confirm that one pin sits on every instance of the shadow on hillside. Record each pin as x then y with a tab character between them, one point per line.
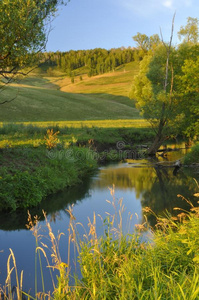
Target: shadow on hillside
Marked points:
38	82
47	103
114	98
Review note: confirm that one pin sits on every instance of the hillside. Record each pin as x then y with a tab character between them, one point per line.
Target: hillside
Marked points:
55	98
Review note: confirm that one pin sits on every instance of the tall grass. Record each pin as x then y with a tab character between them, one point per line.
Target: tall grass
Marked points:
104	134
122	265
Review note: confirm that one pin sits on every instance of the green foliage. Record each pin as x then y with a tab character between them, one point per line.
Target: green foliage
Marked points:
20	190
188	92
169	100
96	61
30	174
146	43
28	129
192	156
142	89
154	103
22	32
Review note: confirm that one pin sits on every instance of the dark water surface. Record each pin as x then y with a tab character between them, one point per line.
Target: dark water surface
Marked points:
140	184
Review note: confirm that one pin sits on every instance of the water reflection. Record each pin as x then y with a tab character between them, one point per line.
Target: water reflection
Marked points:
155	187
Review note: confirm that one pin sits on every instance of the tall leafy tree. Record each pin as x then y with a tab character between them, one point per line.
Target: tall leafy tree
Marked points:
153	91
166	88
23	33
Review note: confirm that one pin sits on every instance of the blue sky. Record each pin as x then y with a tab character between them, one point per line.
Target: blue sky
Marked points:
89	24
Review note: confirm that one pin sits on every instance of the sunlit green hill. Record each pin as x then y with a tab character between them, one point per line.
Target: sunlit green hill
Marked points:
41	97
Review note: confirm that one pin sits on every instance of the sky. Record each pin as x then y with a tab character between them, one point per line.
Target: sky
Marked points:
89	24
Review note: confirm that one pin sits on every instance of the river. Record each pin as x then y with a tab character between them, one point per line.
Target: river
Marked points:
138	182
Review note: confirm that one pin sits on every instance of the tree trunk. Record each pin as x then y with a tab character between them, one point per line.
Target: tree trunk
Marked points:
155	146
158	140
163	118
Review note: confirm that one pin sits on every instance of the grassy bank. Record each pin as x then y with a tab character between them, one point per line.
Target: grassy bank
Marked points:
13	134
119	266
123	266
28	174
29	171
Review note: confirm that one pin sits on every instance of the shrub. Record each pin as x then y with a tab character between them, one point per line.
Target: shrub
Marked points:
192	156
32	174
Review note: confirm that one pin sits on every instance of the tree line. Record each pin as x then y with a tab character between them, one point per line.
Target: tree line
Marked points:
96	61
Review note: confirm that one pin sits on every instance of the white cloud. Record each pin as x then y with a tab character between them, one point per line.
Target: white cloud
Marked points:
168	3
152	7
176	3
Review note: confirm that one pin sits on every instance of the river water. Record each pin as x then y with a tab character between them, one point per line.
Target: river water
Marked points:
139	183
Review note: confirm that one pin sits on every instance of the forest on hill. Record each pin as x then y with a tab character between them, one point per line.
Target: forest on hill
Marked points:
96	61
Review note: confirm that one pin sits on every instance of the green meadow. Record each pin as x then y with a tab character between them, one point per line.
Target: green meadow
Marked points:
41	98
95	107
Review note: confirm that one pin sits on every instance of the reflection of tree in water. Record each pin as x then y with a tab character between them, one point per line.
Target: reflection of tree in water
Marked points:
161	194
122	177
53	206
155	187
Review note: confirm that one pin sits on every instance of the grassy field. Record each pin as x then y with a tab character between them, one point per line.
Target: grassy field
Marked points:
128	123
117	83
41	98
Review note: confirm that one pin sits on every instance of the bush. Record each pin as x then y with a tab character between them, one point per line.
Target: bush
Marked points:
32	174
192	156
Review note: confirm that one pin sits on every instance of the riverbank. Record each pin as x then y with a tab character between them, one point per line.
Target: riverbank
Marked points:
37	161
30	174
